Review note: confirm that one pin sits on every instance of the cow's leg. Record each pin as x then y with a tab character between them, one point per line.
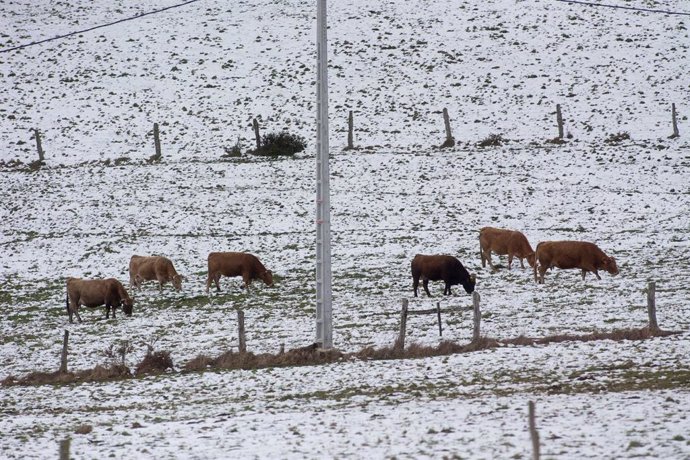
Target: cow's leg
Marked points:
216	279
446	290
161	282
596	273
488	259
510	261
542	270
425	283
481	255
522	265
415	284
209	280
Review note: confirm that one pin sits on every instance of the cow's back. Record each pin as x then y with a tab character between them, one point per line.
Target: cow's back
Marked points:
230	263
568	254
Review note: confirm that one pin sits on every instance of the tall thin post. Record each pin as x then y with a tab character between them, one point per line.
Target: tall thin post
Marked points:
255	124
559	120
157	141
39	147
64	448
477	316
63	358
350	129
534	434
240	331
651	305
438	313
675	121
324	312
400	343
450	141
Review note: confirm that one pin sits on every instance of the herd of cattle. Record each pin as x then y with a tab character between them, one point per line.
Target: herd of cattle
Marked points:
548	254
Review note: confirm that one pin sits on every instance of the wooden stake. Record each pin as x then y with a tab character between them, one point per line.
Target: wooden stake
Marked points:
350	127
157	141
450	142
438	312
63	358
64	448
651	306
675	121
241	333
255	123
534	434
477	316
559	120
400	343
38	145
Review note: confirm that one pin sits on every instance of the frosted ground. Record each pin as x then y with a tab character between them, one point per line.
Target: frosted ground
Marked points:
203	72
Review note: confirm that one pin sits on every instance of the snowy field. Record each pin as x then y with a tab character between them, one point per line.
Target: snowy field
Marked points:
203	71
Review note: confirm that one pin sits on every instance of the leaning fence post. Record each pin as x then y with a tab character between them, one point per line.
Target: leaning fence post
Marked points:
39	147
559	120
350	128
534	434
477	316
241	333
438	312
675	121
63	358
400	343
255	123
449	142
651	306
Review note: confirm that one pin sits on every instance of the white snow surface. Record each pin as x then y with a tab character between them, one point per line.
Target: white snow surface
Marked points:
203	72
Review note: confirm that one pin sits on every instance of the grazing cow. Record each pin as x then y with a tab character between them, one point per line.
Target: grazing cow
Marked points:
94	293
446	268
502	242
572	254
241	264
143	268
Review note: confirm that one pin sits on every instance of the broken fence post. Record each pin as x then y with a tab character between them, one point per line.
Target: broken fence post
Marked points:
157	142
63	358
675	121
39	147
651	306
400	343
64	449
477	316
241	332
438	312
534	434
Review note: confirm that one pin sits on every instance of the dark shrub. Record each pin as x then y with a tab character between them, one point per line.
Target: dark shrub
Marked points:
274	144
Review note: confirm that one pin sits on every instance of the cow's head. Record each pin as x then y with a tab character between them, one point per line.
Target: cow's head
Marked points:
530	259
610	265
267	277
470	283
127	305
177	282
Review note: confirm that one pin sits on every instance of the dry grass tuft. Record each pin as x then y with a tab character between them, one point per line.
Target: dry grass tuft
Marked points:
154	363
83	429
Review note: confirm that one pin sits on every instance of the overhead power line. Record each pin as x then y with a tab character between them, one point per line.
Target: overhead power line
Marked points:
97	27
633	8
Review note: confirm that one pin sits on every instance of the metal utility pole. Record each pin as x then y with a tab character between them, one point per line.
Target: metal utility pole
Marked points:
324	310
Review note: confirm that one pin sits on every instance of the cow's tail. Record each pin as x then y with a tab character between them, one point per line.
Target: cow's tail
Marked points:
67	302
536	262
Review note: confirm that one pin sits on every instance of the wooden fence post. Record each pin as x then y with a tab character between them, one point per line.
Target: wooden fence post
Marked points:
477	316
400	343
438	312
63	358
64	448
350	128
241	333
675	121
255	123
157	142
534	434
651	306
559	120
39	147
449	142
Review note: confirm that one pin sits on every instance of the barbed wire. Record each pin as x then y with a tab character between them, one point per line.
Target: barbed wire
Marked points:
633	8
26	45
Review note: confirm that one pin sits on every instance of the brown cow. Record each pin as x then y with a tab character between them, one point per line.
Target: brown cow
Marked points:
572	254
446	268
502	242
149	268
94	293
241	264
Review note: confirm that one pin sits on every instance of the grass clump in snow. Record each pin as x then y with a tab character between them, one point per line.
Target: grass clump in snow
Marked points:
617	138
494	140
283	143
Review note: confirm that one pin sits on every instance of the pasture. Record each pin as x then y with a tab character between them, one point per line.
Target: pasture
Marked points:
97	201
